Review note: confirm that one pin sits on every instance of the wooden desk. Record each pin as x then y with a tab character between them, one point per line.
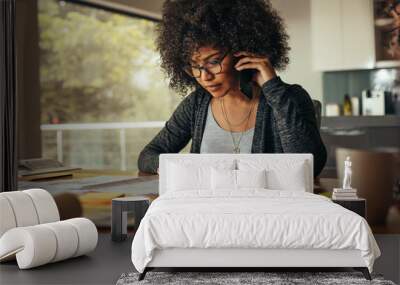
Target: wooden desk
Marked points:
93	196
85	173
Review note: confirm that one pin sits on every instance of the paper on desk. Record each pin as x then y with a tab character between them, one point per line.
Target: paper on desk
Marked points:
122	184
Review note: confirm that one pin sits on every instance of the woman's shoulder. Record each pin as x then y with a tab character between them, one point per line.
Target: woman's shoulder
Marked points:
279	93
277	83
276	87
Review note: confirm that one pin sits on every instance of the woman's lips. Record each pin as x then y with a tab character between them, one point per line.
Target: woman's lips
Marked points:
214	87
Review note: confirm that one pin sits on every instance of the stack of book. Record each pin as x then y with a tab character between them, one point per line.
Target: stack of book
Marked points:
344	194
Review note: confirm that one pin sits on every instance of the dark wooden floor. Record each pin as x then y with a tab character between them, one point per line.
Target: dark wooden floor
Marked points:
102	266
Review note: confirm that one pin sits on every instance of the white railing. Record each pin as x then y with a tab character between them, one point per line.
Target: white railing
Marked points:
59	128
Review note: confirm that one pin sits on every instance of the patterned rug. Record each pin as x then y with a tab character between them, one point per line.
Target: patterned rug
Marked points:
273	278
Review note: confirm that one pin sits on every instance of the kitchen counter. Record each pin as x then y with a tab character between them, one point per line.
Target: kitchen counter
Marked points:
346	122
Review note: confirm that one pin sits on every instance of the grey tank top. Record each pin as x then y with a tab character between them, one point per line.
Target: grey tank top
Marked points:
217	140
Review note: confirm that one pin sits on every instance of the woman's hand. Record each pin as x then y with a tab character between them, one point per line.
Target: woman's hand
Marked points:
251	61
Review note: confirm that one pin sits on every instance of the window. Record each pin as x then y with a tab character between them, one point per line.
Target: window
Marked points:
103	95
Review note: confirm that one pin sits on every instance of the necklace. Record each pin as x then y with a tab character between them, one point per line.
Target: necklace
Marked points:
236	145
226	115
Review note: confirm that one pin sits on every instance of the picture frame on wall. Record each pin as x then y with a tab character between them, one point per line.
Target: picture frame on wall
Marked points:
387	29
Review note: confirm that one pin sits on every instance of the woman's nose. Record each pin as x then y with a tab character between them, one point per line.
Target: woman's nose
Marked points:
206	75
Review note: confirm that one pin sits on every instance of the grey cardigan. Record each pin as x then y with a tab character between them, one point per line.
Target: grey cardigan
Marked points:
285	123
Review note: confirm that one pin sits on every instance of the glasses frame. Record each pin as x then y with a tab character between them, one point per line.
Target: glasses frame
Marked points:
189	68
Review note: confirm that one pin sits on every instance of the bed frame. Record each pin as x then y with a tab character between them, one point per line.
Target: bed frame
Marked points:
246	258
242	259
234	257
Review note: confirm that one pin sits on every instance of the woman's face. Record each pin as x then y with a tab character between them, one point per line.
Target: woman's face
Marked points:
216	74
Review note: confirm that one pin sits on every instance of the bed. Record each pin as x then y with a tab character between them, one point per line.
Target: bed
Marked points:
247	210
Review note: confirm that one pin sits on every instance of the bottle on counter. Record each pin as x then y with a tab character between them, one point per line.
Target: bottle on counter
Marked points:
355	106
347	107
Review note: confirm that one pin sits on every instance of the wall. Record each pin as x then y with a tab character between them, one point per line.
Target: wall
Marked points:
297	15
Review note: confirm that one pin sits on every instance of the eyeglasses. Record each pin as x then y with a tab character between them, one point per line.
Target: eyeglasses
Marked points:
214	67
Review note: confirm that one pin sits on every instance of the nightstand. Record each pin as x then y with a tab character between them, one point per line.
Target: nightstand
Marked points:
137	205
356	205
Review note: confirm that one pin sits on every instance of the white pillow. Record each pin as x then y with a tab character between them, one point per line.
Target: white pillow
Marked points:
294	179
280	174
182	177
223	179
251	178
236	179
193	174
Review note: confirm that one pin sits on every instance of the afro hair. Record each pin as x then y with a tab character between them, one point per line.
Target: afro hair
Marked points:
235	25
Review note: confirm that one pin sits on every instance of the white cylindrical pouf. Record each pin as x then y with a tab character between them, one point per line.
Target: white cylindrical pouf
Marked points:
45	205
87	234
34	245
40	244
67	239
23	208
7	218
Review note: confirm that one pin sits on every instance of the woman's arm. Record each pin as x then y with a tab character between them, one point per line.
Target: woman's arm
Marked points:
171	139
292	107
295	120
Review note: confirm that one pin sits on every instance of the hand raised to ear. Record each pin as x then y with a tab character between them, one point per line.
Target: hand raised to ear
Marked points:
262	65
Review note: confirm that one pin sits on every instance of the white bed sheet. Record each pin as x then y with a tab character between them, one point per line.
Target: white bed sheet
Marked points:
251	218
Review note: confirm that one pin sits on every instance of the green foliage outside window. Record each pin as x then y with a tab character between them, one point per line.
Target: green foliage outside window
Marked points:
99	66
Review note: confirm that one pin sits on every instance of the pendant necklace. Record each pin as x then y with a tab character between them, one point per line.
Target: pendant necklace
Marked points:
236	144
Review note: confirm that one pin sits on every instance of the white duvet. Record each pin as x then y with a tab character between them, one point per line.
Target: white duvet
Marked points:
252	218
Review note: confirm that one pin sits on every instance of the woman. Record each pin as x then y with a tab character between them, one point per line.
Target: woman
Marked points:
204	45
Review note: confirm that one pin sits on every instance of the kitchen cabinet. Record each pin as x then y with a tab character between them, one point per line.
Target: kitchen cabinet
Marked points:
343	35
